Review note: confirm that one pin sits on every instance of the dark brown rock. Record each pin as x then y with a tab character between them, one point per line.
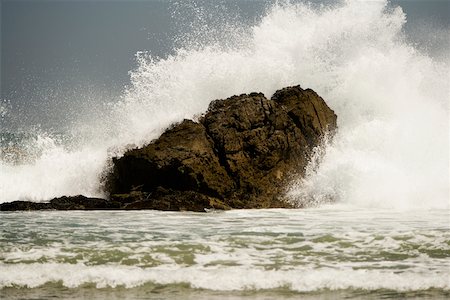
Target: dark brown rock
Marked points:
63	203
81	203
181	159
171	200
309	112
240	154
23	205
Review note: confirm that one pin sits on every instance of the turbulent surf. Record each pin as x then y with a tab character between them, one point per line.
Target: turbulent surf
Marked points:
388	166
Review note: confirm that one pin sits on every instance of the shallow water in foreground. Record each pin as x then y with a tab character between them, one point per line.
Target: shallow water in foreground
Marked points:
325	253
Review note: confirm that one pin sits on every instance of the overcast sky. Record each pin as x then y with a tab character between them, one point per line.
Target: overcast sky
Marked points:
52	50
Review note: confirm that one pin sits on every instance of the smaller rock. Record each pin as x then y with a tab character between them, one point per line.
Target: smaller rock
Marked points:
63	203
24	205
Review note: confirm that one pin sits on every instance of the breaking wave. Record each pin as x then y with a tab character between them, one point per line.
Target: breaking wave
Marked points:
392	102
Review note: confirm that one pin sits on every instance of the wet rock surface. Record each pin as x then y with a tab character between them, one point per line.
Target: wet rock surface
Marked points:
240	154
63	203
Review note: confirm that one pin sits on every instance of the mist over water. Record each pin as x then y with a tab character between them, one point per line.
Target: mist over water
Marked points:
392	102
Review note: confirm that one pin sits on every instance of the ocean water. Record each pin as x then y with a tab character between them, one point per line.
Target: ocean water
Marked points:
324	253
378	216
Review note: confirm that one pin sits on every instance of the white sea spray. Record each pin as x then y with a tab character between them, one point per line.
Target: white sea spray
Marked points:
392	146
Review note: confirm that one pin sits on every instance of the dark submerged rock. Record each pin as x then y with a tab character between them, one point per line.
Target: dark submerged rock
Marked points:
23	205
240	154
63	203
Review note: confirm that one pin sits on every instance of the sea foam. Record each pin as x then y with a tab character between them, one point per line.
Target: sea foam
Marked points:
223	279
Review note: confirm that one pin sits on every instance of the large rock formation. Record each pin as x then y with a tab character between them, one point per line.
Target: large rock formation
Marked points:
240	154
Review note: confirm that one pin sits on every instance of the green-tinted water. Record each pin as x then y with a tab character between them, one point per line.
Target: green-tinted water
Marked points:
327	253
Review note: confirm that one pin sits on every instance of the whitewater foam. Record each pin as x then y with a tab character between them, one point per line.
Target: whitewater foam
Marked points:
223	279
392	147
296	250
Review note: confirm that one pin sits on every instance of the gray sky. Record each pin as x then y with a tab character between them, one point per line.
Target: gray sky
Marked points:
53	51
81	41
